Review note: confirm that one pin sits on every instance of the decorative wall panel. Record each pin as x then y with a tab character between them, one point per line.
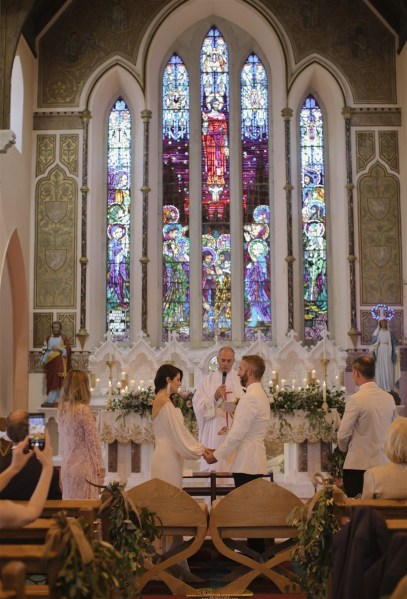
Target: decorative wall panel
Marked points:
55	243
389	148
68	152
42	327
380	238
46	152
68	324
365	148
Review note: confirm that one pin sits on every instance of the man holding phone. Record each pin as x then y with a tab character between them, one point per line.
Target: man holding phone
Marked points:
23	484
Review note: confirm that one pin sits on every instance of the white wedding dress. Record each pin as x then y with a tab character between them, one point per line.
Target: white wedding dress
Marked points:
173	444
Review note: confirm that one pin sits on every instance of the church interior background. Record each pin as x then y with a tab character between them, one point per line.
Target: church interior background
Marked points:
178	175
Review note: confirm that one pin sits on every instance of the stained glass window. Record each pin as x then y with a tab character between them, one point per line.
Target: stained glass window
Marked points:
216	242
118	221
313	219
176	298
256	212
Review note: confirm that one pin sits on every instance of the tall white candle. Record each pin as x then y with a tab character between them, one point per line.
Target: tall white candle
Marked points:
324	391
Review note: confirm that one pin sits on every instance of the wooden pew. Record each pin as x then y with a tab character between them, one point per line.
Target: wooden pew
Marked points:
394	511
87	509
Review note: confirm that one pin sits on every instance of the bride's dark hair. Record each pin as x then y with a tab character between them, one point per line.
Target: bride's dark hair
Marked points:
166	370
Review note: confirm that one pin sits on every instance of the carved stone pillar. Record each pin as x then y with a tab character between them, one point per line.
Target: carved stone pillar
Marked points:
145	189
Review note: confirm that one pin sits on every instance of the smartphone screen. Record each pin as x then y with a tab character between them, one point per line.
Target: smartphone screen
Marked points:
36	430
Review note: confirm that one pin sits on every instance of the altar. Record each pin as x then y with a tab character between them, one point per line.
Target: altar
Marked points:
128	441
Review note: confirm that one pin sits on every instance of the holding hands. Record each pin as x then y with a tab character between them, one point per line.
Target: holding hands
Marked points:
209	457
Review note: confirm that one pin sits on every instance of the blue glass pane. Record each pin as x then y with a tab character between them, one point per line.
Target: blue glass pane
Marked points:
313	220
118	221
216	277
256	212
176	302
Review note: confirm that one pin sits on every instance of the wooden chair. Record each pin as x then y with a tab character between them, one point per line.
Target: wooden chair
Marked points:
180	516
258	509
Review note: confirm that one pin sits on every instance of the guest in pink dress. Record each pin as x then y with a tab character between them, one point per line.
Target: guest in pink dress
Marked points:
79	441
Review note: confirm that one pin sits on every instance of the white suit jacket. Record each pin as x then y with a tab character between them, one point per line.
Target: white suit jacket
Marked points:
368	414
388	481
243	447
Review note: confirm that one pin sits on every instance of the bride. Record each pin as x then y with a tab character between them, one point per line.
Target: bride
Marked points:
173	441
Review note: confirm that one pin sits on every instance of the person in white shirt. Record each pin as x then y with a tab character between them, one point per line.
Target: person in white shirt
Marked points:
214	389
368	414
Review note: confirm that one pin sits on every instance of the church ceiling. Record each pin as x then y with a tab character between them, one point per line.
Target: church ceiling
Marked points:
394	12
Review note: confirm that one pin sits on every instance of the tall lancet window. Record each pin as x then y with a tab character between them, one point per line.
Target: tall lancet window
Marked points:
216	248
118	221
313	220
176	294
256	212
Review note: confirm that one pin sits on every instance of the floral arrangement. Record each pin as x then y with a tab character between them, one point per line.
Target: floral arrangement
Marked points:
141	402
309	399
134	402
183	400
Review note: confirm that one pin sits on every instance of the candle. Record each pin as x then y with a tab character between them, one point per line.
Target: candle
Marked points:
277	388
97	383
119	385
271	383
309	377
313	375
283	382
342	377
304	382
110	383
324	391
142	383
293	381
123	375
122	392
132	384
317	382
336	380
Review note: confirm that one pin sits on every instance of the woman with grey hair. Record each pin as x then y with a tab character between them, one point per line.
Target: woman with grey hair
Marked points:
389	481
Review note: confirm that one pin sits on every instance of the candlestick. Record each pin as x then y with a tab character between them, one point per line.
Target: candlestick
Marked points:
324	402
325	363
309	377
191	379
341	378
93	379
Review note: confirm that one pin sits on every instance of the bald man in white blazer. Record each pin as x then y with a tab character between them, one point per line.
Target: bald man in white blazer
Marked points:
362	432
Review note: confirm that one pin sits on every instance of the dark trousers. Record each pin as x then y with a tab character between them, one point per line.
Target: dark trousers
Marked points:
240	479
353	482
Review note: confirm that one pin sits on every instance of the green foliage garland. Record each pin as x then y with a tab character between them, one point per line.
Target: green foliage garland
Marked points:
78	577
316	525
132	531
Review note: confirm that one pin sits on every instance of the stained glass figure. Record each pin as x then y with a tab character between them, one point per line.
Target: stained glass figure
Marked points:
256	212
313	220
216	249
176	299
118	221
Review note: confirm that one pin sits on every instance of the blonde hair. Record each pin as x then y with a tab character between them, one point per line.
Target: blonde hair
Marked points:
256	363
395	445
75	390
